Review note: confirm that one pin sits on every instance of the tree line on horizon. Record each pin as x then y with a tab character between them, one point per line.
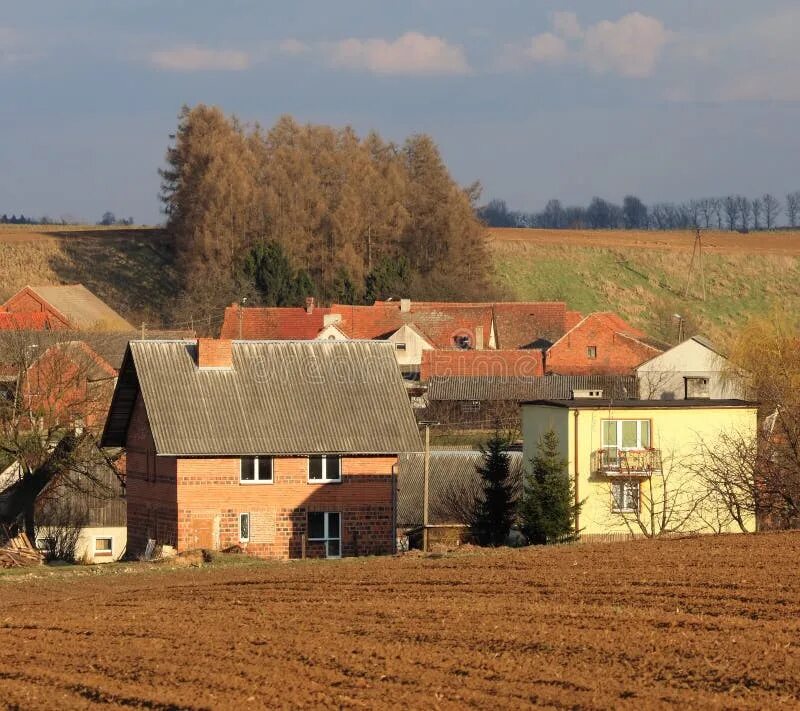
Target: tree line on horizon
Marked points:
300	210
733	213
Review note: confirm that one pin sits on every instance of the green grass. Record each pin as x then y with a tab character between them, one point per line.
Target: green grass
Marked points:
647	286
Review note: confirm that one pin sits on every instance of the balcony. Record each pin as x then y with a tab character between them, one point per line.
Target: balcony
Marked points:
627	462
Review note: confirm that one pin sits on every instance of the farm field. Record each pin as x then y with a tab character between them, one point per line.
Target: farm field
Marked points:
700	623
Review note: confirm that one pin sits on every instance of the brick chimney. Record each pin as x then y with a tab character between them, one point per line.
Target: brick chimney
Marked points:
214	353
309	304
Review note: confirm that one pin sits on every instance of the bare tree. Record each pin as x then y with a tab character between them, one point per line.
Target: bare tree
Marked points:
793	208
707	211
772	208
50	415
745	209
731	207
660	501
717	208
758	208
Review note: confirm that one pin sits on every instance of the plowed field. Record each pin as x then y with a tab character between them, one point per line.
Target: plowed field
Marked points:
700	623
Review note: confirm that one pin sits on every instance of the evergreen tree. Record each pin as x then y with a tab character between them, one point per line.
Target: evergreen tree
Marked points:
388	279
268	268
495	509
548	508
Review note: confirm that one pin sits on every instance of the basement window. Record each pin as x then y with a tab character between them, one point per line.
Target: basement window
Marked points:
244	527
591	352
255	470
326	527
325	468
625	496
103	546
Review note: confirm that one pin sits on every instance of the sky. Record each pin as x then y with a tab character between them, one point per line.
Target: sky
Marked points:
537	99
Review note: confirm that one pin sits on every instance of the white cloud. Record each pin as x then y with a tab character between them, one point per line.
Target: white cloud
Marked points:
565	24
547	48
293	47
412	53
198	59
630	46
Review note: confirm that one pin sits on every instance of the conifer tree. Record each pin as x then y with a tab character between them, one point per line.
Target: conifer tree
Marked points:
496	506
548	508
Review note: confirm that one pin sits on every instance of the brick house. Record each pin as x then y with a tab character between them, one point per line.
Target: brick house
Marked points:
282	448
70	306
602	343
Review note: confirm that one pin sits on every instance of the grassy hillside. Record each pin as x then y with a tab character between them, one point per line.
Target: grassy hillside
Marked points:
643	276
129	268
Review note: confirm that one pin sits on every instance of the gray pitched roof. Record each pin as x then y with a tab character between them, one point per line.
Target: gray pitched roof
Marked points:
82	307
453	474
547	387
280	397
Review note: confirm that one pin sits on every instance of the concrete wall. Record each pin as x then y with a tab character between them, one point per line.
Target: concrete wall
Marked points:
662	378
676	432
85	549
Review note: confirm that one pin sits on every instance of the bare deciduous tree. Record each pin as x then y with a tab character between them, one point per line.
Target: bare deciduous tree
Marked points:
793	208
772	208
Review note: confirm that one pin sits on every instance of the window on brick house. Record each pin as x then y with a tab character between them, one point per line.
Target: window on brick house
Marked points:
255	470
591	352
326	527
244	527
325	468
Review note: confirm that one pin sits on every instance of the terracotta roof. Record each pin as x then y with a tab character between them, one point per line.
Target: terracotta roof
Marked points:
522	324
444	324
475	364
92	365
292	397
369	322
273	323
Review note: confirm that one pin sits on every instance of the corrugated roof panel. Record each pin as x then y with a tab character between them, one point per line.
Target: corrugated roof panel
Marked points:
286	397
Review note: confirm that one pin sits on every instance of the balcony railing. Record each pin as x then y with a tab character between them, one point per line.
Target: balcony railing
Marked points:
627	462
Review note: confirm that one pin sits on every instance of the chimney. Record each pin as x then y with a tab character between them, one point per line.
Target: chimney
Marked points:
405	306
478	338
214	353
309	304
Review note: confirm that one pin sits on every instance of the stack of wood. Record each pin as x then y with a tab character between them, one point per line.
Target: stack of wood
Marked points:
19	553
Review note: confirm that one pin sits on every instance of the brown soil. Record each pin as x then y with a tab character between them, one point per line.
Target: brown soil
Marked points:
697	623
786	242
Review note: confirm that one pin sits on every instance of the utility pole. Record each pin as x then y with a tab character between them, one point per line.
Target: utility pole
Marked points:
696	250
426	475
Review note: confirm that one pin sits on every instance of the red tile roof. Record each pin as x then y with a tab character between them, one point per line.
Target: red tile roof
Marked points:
521	324
516	363
273	323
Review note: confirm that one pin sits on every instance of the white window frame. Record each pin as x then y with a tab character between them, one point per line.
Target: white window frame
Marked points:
104	552
618	446
242	515
628	487
324	479
327	532
400	346
257	470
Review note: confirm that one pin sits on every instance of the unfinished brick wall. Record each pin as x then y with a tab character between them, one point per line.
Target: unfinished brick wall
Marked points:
210	499
150	487
615	352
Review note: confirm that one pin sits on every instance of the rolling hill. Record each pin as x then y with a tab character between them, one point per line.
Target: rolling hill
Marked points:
641	275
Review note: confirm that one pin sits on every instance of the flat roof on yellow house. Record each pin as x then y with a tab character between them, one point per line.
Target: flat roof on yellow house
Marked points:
591	403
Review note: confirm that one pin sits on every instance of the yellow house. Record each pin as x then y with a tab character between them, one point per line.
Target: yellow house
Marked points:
637	465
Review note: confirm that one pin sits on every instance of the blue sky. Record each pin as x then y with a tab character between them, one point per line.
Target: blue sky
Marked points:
668	100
